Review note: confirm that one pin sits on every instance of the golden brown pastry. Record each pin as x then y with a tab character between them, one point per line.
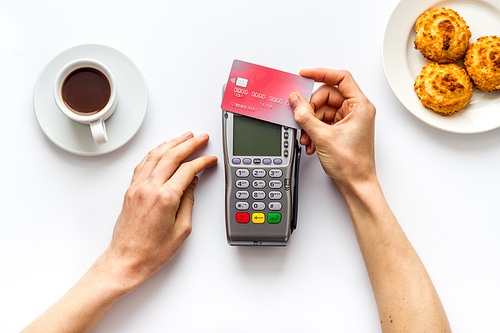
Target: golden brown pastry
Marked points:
444	88
482	62
442	35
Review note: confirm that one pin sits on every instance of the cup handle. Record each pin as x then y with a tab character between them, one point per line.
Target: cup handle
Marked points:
98	129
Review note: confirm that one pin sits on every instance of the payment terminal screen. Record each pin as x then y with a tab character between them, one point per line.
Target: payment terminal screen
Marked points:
253	137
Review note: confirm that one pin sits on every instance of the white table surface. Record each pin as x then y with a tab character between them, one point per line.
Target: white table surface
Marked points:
57	210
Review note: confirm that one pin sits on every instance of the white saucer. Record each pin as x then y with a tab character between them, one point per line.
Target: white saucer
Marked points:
123	124
402	63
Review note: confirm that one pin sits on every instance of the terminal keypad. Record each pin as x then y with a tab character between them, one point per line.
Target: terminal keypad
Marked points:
253	189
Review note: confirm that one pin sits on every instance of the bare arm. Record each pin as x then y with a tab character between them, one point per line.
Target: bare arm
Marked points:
405	296
339	125
152	226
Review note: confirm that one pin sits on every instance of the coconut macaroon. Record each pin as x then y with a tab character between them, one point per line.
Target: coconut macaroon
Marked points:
444	88
442	35
482	62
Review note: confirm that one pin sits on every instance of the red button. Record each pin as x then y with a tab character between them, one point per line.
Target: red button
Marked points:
242	217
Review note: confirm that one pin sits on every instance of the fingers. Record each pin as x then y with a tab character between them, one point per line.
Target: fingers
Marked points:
164	163
181	186
338	96
304	115
325	103
173	158
150	161
340	78
185	211
304	138
329	96
312	127
310	148
306	141
185	174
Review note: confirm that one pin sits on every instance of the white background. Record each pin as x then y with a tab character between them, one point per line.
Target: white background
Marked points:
57	210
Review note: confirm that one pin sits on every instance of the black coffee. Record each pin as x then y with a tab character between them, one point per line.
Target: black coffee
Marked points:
86	91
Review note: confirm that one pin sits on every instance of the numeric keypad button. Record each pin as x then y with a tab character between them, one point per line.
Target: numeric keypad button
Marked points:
275	195
258	173
275	173
242	183
258	195
258	183
275	206
241	205
275	184
258	206
242	195
242	173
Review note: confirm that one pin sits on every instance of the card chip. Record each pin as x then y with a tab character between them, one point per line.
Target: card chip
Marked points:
241	82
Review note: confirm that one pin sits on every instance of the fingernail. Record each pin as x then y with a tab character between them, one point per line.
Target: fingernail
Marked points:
203	135
187	134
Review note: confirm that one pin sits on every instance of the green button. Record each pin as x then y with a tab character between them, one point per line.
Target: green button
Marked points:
274	217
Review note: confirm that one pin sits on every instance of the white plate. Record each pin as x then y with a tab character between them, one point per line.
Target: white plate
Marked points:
402	63
121	126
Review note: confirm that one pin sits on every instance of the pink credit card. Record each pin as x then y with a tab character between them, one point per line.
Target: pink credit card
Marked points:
261	92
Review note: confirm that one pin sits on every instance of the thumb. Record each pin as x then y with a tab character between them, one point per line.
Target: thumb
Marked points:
304	115
185	211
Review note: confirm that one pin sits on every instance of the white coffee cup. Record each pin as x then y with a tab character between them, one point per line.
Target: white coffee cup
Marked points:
95	118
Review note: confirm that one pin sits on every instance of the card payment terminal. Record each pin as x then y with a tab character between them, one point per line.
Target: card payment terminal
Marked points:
261	162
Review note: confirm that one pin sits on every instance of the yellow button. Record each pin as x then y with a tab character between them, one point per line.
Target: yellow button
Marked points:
258	218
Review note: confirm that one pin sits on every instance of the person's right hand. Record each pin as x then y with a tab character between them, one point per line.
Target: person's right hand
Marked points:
338	123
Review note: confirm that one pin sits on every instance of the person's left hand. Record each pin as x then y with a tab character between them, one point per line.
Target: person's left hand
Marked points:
156	216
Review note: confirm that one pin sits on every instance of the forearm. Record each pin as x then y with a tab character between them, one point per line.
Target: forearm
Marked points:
406	298
154	223
88	301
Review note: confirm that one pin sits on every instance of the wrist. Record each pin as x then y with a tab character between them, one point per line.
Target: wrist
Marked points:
118	276
363	197
358	188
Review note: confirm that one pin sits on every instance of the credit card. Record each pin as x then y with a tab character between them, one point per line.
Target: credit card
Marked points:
261	92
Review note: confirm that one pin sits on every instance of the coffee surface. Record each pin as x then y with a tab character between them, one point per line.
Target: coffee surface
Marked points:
86	91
